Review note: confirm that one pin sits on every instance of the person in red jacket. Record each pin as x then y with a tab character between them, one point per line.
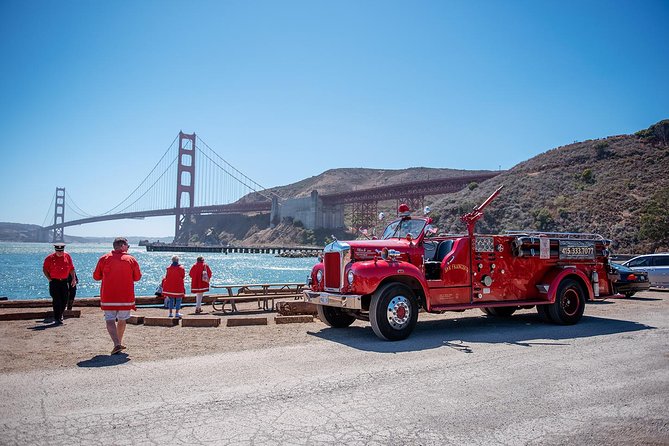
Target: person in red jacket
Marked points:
59	271
200	275
173	286
118	272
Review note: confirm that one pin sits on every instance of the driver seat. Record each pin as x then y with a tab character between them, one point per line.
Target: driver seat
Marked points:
433	266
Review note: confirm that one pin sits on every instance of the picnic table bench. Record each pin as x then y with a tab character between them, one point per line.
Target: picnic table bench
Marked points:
263	293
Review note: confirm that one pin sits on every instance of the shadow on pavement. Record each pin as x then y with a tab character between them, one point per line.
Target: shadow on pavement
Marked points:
45	325
521	329
646	299
105	360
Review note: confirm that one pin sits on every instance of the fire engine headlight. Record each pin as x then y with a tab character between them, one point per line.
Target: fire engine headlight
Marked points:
350	277
319	275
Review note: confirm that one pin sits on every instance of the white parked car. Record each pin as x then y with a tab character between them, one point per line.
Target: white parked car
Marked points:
657	266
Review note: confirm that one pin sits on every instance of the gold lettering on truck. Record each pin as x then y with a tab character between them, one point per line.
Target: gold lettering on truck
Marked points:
455	266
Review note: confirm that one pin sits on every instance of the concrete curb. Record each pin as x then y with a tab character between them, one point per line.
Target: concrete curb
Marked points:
243	321
293	319
160	321
135	320
201	322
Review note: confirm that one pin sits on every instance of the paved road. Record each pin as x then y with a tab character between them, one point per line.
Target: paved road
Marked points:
470	380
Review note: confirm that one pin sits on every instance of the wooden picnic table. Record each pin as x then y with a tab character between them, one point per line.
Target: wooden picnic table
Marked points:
263	293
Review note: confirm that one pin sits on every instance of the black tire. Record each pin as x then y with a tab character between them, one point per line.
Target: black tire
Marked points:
334	317
544	314
502	311
630	294
393	312
487	311
569	303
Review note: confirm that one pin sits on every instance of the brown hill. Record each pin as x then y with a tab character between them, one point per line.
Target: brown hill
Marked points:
612	186
616	186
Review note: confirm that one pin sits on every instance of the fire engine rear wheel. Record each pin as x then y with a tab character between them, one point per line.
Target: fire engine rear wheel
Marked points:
334	317
569	303
393	312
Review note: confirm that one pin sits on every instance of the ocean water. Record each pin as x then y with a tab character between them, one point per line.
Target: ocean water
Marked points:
21	274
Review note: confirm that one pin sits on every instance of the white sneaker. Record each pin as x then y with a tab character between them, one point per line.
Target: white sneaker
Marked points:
170	315
178	316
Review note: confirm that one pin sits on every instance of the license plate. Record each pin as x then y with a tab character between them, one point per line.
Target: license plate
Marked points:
324	300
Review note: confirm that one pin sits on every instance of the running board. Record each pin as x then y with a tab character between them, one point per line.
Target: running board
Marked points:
479	304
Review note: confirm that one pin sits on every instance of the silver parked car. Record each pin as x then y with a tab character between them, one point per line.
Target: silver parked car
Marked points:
657	266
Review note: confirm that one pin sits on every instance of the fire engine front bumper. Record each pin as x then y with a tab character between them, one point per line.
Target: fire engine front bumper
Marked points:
349	301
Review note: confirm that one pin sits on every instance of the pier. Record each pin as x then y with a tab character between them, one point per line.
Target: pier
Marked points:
304	251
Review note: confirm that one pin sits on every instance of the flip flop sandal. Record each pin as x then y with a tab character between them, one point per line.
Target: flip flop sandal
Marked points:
117	349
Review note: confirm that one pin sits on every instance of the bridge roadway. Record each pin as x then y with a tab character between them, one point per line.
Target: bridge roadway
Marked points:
234	208
407	189
389	192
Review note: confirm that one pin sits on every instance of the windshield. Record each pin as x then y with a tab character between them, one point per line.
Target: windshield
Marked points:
400	229
620	268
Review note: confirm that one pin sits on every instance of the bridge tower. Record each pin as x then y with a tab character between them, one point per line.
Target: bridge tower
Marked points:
185	182
59	216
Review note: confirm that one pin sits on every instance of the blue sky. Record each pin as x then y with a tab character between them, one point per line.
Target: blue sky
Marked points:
93	92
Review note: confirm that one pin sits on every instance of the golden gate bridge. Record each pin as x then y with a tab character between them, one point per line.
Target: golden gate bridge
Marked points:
207	184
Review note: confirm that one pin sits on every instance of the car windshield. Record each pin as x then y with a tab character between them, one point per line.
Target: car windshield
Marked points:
400	228
621	268
638	261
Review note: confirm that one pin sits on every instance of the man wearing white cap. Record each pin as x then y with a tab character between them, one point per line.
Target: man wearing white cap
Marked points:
59	271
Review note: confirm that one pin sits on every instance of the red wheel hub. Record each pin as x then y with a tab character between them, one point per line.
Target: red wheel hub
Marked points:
401	312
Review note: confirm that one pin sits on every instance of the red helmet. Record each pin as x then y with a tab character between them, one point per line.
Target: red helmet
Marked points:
403	209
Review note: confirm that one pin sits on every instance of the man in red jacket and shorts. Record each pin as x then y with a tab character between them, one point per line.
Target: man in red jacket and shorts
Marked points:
118	271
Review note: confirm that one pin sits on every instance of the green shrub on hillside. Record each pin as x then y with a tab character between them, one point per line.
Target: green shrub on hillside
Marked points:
543	220
587	176
658	133
602	150
655	220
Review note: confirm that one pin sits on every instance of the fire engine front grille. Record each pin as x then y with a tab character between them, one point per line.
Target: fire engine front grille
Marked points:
332	263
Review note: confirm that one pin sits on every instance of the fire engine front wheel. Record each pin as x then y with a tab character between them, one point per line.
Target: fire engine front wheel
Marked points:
334	317
569	303
393	312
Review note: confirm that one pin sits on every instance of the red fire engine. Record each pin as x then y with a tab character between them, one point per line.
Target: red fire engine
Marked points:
387	281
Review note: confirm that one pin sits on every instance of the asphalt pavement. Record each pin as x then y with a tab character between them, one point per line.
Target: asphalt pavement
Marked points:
456	381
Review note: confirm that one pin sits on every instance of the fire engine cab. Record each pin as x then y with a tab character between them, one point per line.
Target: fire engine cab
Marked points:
387	281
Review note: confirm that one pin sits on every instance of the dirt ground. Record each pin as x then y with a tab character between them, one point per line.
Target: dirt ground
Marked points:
38	344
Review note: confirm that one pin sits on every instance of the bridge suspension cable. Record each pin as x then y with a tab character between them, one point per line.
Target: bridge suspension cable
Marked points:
216	182
48	219
233	172
74	207
160	193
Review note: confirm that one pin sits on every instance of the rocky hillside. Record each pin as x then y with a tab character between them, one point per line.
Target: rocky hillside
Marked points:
248	231
616	186
18	232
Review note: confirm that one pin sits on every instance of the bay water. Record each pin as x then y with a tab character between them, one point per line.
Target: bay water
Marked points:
21	274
